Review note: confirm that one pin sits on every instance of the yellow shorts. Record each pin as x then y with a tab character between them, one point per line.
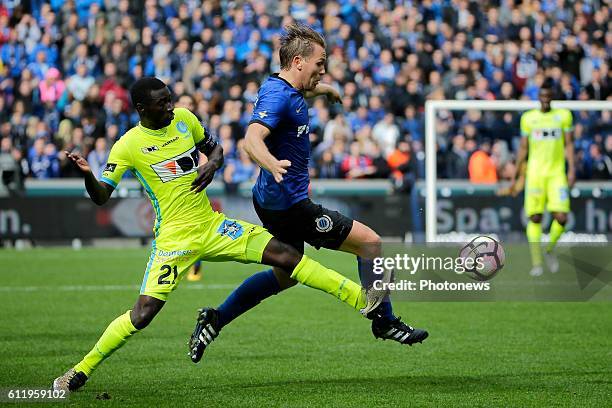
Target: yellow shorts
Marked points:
222	239
550	192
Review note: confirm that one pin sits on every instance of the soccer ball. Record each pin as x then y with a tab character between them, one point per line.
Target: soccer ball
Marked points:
482	258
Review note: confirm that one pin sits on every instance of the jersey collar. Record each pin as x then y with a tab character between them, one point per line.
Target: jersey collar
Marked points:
275	75
153	132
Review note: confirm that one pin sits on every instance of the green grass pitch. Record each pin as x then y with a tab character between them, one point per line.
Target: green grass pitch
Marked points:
299	349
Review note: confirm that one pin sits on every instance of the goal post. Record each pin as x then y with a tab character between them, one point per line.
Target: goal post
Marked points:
431	109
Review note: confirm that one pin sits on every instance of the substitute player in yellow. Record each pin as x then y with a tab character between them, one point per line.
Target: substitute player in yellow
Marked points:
162	151
546	143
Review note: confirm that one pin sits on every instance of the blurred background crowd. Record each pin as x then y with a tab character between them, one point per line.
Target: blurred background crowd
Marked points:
66	67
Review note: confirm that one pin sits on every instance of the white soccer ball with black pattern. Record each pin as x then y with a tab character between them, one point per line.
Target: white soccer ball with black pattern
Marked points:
483	257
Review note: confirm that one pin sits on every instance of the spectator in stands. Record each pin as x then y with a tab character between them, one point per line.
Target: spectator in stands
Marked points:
386	133
239	170
385	60
482	167
355	163
403	166
43	160
78	84
599	165
457	159
98	157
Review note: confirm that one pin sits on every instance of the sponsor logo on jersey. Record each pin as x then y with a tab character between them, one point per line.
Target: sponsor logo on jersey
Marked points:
177	166
181	127
149	149
324	223
231	229
551	133
263	114
110	167
170	141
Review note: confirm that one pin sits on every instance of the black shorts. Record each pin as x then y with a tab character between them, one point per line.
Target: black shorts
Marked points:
306	222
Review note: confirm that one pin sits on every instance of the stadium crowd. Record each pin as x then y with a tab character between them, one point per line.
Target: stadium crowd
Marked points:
66	67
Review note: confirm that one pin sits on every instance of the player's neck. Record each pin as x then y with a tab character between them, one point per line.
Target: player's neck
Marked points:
147	123
289	77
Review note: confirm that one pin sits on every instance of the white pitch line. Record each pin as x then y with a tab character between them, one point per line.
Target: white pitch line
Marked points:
78	288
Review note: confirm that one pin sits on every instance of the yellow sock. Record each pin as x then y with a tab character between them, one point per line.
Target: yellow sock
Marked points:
116	335
556	230
315	275
534	236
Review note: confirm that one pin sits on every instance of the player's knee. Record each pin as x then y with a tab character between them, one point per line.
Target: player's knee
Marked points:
537	218
281	255
141	317
144	311
371	247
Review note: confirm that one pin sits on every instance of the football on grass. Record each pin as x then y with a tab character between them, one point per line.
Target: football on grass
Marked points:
483	257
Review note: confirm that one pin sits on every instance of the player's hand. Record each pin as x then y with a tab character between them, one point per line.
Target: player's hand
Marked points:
279	169
333	96
206	172
79	161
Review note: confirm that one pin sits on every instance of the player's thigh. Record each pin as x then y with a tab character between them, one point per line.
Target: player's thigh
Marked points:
557	193
283	225
166	267
535	195
234	240
322	227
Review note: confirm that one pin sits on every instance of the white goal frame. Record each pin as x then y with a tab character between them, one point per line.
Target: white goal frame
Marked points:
431	109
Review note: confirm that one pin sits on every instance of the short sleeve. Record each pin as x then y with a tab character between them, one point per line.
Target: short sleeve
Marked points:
118	162
269	108
201	136
525	129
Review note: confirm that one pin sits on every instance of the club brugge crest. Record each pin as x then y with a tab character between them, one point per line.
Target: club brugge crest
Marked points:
324	223
231	229
181	127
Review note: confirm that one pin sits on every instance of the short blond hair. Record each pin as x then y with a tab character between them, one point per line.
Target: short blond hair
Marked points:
298	40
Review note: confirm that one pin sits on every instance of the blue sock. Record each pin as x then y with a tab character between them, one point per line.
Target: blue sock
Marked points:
366	276
249	294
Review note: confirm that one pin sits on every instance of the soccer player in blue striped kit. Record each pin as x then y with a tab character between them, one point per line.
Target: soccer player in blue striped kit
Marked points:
278	140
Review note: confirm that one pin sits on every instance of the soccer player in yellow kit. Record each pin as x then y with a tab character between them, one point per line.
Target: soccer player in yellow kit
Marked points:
546	137
162	152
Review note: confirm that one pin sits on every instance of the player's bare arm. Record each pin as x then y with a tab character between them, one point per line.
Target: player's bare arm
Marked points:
257	150
332	94
206	172
99	192
570	157
521	160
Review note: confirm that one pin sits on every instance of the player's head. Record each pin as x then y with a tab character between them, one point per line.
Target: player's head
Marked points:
546	95
303	53
153	102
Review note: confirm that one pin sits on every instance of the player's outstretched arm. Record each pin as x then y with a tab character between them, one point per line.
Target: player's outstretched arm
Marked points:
257	149
99	192
333	96
569	154
521	160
